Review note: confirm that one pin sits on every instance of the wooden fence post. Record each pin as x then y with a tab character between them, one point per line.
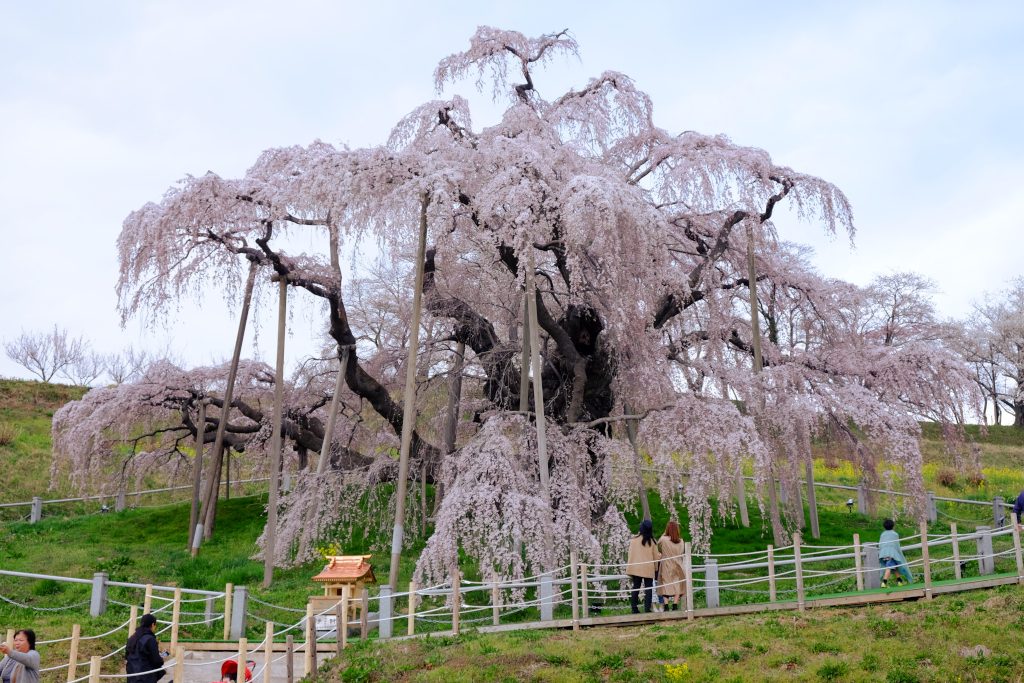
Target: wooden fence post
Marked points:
585	593
307	660
243	656
289	658
495	603
268	652
179	665
412	608
341	619
772	594
229	589
926	563
799	572
1016	547
456	600
175	618
575	591
76	634
95	663
147	601
364	614
955	542
688	575
133	618
858	563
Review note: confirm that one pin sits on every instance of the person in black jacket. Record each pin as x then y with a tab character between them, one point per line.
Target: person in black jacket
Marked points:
143	653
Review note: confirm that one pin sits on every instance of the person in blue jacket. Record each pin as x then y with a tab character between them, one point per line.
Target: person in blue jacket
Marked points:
890	555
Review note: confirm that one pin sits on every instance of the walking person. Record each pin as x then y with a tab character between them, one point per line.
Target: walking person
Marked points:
641	565
671	575
144	663
21	661
890	555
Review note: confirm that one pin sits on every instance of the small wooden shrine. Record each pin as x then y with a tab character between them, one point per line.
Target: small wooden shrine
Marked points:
352	571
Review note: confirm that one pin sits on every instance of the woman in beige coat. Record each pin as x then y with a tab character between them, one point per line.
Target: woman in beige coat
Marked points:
641	565
671	576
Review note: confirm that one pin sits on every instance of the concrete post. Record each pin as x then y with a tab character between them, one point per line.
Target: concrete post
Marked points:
384	613
986	562
933	509
239	605
998	512
37	510
872	572
208	610
862	499
711	582
98	603
547	594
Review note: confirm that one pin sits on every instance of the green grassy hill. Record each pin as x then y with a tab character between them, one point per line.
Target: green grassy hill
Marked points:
969	637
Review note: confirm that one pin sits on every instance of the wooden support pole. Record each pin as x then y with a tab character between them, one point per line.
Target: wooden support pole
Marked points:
175	618
456	600
10	636
243	656
1016	547
858	562
179	665
332	416
741	495
133	618
412	608
575	591
208	503
228	599
772	592
495	603
812	499
799	572
95	664
270	537
307	659
688	576
76	634
268	652
197	472
147	600
409	399
925	561
954	541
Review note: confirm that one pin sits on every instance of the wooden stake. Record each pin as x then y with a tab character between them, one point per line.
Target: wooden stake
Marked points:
495	603
575	591
456	600
858	562
925	561
268	652
772	592
76	633
228	599
147	601
955	542
289	659
409	408
95	664
175	618
585	592
341	620
307	661
412	608
364	614
179	665
799	572
133	618
243	657
688	575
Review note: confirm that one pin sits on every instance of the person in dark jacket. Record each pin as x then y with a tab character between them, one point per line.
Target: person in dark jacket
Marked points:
1018	508
143	653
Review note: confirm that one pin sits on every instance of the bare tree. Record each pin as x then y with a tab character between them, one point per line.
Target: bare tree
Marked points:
44	354
86	369
127	365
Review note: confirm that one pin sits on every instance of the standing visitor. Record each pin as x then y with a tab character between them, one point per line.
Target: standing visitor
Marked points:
143	653
671	576
890	555
641	565
1018	508
21	661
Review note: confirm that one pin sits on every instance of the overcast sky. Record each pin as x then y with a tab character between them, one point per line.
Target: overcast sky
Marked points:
915	110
